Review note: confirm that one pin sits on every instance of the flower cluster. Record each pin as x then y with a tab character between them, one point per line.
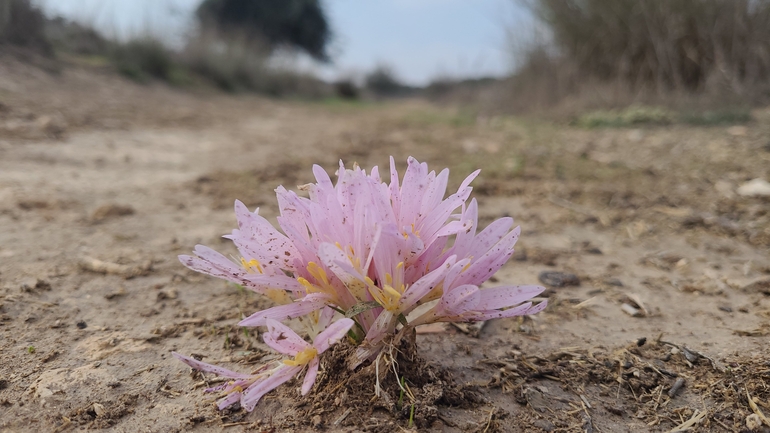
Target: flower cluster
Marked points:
356	258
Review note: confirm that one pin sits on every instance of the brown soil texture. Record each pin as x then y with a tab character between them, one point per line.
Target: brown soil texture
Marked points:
663	324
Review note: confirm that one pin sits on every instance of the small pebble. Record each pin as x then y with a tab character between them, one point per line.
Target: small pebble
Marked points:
631	310
676	387
558	279
544	425
753	422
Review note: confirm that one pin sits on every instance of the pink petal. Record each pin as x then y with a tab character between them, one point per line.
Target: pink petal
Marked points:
486	266
412	190
310	376
502	297
332	334
215	264
214	257
283	339
465	239
322	177
208	368
416	291
459	300
522	310
260	283
395	190
254	393
489	237
435	192
453	273
338	262
379	330
312	302
430	256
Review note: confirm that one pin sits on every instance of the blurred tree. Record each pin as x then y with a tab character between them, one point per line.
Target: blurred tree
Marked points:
22	24
300	24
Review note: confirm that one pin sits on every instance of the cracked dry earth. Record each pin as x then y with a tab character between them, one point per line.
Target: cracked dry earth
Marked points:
663	323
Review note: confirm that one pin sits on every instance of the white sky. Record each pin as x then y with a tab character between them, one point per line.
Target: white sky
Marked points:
420	39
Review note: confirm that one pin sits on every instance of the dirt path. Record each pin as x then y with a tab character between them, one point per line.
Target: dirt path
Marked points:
644	218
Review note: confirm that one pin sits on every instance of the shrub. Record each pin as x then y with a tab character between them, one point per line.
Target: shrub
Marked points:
144	58
383	82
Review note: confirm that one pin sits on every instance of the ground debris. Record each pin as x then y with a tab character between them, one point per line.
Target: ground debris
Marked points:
101	267
105	212
630	384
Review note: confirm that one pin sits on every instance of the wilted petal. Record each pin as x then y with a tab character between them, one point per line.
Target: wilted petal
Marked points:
230	399
312	372
522	310
251	396
208	368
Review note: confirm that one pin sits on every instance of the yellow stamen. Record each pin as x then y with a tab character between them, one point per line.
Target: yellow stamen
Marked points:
279	296
302	357
392	292
252	266
317	272
309	287
465	268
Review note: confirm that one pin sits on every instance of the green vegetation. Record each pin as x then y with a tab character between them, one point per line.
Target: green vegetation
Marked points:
456	118
637	115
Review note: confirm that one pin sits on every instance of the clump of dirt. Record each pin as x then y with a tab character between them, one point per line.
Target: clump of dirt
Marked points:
398	384
100	416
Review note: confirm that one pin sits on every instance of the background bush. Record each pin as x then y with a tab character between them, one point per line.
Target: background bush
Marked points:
614	52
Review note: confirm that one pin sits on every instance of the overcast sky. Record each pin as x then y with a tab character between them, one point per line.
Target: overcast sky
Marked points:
420	39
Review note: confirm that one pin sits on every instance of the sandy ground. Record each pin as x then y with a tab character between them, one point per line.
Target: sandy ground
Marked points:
103	183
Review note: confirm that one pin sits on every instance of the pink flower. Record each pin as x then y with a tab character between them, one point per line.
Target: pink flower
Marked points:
370	250
249	389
